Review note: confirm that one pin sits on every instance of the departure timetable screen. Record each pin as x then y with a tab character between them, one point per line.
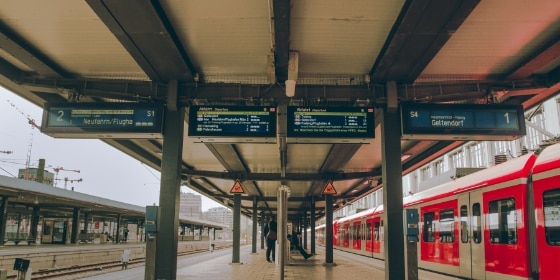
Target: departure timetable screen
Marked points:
232	121
330	122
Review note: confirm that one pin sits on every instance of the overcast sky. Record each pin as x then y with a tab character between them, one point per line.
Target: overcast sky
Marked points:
104	170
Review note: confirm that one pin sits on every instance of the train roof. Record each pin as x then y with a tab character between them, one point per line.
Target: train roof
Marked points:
515	169
548	159
374	210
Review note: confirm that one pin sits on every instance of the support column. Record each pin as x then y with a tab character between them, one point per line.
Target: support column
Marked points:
171	165
329	229
86	218
392	187
34	222
236	227
263	222
117	235
283	192
312	222
255	223
304	231
75	226
3	218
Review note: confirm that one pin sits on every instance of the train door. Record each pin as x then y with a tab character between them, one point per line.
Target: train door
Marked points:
357	235
363	235
471	249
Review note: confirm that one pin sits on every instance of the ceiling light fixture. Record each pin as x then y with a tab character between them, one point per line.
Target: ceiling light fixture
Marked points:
292	74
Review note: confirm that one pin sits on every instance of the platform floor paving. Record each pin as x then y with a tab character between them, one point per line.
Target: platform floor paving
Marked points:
253	266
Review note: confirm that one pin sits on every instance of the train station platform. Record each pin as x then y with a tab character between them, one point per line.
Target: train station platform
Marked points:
217	265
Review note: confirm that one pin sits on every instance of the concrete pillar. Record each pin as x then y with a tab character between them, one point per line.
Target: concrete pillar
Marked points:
171	165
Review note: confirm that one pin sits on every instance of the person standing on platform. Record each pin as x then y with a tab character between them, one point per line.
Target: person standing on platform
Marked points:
270	230
125	234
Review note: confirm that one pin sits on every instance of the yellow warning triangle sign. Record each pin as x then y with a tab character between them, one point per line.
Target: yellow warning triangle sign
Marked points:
237	188
329	188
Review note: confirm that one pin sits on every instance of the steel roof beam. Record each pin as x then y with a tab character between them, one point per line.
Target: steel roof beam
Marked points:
421	30
151	41
281	14
24	52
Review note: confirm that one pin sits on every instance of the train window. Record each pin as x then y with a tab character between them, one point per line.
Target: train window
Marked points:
476	223
464	224
551	205
368	231
446	225
429	230
502	221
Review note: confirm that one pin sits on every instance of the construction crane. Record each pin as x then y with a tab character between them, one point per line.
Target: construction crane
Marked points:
33	125
66	180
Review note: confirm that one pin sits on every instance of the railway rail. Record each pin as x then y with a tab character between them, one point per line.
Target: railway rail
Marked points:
77	271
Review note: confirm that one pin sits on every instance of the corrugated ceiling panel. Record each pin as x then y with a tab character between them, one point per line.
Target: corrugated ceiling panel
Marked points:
340	37
72	35
494	38
224	39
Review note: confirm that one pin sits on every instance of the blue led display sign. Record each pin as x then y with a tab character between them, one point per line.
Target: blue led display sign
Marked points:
103	120
233	123
462	121
330	124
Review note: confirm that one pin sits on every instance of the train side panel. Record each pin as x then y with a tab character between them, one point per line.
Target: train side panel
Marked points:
506	242
546	186
439	248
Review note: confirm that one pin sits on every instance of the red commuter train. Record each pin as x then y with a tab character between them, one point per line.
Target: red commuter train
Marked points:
499	223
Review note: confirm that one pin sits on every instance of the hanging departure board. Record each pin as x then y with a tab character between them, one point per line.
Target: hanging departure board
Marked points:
462	121
233	123
330	124
103	120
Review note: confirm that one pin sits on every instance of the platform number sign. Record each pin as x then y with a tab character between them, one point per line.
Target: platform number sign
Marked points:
462	122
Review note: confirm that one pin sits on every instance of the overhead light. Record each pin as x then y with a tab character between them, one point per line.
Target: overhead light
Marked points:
290	88
293	62
405	156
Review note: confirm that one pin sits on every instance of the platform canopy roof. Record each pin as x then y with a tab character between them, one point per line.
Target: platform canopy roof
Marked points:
340	53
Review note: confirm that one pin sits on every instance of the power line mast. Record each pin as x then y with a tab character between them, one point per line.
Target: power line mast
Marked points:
30	147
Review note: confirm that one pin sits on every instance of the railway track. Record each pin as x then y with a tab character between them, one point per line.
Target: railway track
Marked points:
75	272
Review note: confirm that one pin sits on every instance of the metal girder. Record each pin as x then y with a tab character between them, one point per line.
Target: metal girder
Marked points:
281	12
232	94
152	42
537	61
28	55
248	176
